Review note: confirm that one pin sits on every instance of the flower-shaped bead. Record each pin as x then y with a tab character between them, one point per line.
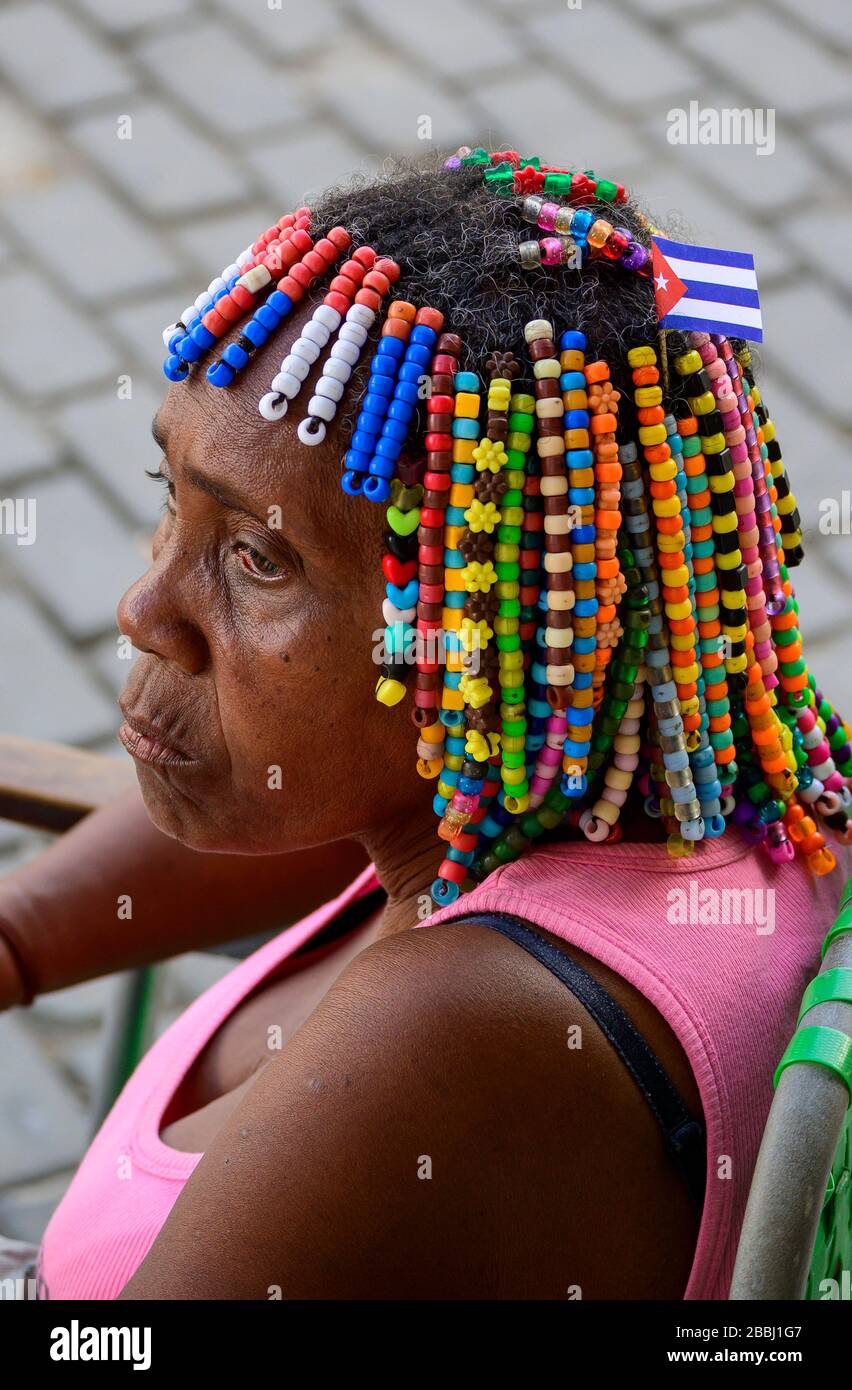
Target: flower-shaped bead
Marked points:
490	454
478	578
475	691
473	636
490	487
482	516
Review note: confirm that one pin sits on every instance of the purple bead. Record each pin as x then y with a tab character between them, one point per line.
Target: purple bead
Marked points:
635	257
453	162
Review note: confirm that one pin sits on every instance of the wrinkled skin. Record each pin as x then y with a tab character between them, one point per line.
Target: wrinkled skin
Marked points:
257	643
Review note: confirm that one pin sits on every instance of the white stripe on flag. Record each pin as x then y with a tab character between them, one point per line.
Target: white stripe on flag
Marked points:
713	274
689	308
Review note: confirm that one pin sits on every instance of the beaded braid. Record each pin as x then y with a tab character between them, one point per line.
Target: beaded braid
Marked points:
591	587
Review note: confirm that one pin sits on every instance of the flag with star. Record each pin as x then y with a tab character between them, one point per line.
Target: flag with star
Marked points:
699	287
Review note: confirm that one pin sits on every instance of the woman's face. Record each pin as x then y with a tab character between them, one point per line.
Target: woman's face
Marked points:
251	711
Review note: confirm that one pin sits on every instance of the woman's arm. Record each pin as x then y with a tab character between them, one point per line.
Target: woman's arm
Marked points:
115	892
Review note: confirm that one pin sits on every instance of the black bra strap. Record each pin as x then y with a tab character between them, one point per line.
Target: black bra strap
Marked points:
684	1136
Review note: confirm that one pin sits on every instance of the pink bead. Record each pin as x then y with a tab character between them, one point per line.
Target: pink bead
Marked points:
547	216
551	251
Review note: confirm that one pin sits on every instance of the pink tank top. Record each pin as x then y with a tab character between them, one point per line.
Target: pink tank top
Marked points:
722	943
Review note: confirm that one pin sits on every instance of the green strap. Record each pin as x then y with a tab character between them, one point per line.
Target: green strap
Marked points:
829	987
827	1047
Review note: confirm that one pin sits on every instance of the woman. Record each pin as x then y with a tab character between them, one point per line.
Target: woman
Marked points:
577	538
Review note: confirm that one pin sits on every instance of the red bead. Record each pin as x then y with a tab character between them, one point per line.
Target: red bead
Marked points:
456	873
431	554
435	443
430	318
300	273
445	365
214	322
352	270
290	287
432	516
375	280
226	307
441	405
313	262
398	571
388	268
340	238
431	593
340	302
287	220
301	241
369	298
243	297
365	256
437	482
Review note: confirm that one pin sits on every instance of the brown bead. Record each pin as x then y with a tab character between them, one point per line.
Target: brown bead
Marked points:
430	612
557	695
430	535
440	460
442	384
548	388
430	574
542	347
556	618
561	583
450	343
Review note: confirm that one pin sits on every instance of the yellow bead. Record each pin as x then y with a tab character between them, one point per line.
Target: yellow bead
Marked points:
652	434
642	357
389	692
467	405
429	768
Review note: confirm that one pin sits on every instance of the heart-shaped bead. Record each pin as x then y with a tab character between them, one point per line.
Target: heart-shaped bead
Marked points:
403	598
404	523
398	571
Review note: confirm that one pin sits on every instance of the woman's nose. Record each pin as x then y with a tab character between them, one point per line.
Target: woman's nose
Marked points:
150	617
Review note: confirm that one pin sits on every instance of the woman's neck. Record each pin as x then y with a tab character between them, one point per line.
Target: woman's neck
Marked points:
406	856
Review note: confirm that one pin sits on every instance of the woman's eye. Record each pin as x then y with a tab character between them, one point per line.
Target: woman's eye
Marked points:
256	563
170	488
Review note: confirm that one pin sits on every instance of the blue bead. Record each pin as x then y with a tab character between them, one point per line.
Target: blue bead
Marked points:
379	389
357	460
579	458
255	332
352	483
384	365
401	410
220	374
576	419
189	351
280	302
407	391
465	429
382	465
581	496
422	333
411	371
583	535
175	369
466	381
389	450
268	318
573	341
395	429
439	805
365	442
235	356
391	347
377	489
421	356
573	381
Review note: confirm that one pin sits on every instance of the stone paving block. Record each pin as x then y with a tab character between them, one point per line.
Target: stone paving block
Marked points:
762	182
248	94
810	316
24	446
26	1208
141	325
694	214
795	77
53	58
834	138
570	37
828	20
192	177
816	455
81	353
74	1011
83	557
475	41
112	436
42	1125
393	98
276	29
213	242
128	256
532	110
121	17
46	692
301	163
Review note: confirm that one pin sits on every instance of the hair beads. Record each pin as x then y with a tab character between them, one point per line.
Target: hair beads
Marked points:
595	583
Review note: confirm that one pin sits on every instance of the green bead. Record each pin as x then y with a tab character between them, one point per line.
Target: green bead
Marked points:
509	535
516	839
531	825
514	728
503	853
520	424
606	190
513	759
556	801
509	608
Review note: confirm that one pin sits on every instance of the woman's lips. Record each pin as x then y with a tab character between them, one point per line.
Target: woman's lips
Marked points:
145	743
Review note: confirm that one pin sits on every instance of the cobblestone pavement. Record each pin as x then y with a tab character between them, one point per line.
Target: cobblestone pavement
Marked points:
239	108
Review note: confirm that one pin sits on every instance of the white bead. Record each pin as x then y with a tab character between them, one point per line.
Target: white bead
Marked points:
316	333
296	366
339	371
216	285
330	389
345	352
306	350
311	431
255	279
202	301
353	333
190	312
272	406
362	315
167	333
244	256
330	318
229	272
288	384
393	615
323	408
